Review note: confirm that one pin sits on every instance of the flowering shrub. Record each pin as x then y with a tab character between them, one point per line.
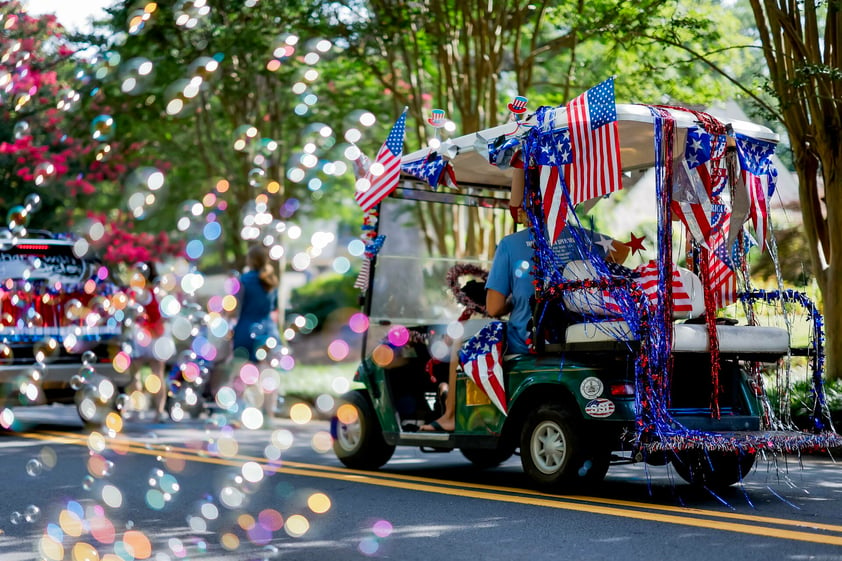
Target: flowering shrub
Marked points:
120	244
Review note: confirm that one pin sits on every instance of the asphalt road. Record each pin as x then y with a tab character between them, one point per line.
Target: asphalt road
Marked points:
197	490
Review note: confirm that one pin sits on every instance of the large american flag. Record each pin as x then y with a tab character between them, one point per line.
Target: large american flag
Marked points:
482	359
382	176
595	169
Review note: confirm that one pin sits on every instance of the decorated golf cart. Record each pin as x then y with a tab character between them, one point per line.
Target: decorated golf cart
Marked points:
666	360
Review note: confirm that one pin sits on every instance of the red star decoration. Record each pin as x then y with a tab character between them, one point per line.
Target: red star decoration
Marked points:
635	243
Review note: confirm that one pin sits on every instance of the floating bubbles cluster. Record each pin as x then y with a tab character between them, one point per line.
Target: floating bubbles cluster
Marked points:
85	531
189	13
141	17
182	96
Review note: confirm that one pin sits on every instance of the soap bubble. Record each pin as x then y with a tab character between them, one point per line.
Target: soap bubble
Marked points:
44	173
136	75
34	467
17	217
244	135
103	128
204	67
32	202
68	100
21	130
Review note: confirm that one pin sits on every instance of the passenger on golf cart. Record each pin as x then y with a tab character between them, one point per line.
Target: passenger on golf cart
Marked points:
510	288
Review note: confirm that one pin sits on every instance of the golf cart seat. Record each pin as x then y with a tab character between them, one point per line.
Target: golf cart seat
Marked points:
743	340
760	342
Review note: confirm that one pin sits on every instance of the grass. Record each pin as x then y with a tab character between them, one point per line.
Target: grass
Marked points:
310	381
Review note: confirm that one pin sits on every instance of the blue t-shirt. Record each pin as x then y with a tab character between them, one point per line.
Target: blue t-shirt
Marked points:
511	274
255	305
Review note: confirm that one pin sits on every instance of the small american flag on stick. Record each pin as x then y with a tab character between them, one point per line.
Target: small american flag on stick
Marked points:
382	176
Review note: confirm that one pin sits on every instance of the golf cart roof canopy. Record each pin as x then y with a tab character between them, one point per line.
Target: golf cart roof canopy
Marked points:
636	128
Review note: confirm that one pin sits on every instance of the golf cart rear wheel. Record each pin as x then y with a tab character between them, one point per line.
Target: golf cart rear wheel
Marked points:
357	436
554	453
715	470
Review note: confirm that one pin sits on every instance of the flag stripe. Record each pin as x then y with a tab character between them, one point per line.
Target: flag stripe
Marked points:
552	195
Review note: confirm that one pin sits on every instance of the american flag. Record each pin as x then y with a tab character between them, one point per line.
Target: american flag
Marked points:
383	174
722	263
554	151
482	359
595	141
646	276
759	176
696	187
690	194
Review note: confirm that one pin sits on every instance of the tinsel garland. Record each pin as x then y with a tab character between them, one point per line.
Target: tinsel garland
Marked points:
817	343
454	274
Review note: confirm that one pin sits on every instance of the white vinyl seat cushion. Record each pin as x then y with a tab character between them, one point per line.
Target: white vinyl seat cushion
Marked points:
690	338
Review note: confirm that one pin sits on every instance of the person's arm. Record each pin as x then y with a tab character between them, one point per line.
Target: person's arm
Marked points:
496	304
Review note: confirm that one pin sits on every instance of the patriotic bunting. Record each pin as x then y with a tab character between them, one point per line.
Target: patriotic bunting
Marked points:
433	169
759	176
554	152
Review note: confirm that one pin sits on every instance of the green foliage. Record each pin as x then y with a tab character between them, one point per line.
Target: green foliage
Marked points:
324	296
802	397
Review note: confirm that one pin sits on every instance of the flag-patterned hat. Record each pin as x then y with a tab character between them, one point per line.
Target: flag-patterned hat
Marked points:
518	105
437	118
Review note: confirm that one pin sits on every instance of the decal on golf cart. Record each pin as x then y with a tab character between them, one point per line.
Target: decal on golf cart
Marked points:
600	408
591	387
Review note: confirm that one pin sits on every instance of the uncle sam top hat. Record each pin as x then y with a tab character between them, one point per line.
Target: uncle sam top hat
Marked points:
518	105
437	119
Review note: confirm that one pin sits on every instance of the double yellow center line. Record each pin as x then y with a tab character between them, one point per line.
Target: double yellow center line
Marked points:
796	530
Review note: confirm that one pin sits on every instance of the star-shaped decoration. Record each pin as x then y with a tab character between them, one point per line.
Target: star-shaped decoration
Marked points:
606	243
635	243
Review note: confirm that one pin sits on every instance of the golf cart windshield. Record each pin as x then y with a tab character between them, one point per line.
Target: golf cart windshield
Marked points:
428	232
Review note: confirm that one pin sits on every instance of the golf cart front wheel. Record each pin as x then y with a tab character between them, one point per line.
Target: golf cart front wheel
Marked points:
357	436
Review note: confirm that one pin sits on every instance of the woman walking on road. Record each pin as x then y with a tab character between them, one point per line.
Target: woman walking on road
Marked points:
257	302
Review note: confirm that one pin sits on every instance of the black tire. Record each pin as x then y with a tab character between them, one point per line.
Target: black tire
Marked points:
359	443
714	470
488	457
556	454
